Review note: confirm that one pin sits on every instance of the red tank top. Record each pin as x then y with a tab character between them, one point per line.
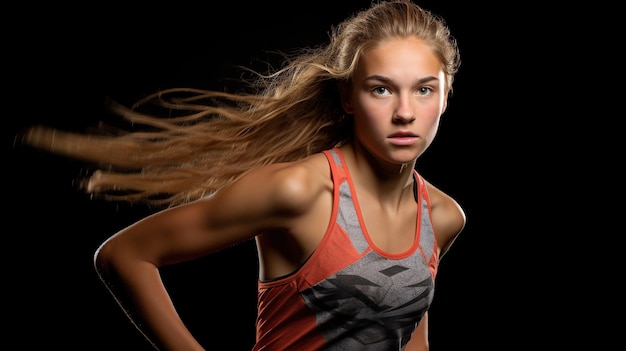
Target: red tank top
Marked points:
349	294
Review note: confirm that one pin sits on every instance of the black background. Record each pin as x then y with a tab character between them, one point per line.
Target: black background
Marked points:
61	64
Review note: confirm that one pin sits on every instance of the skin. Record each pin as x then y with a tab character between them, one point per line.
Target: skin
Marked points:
398	87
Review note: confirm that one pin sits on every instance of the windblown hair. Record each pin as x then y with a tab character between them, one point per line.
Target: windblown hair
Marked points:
208	139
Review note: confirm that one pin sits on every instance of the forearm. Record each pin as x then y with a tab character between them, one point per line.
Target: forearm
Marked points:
142	296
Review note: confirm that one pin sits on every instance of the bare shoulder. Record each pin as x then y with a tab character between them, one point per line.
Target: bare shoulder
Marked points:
294	185
447	215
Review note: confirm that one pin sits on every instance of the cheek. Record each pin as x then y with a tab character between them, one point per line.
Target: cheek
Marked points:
431	127
371	110
430	112
371	116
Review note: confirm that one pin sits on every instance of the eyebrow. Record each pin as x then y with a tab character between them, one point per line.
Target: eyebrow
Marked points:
388	80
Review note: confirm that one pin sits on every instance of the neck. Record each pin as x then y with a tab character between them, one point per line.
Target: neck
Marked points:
387	180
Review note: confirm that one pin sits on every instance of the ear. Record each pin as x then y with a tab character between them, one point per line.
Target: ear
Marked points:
345	90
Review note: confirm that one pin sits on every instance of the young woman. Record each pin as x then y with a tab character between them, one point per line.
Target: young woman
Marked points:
316	163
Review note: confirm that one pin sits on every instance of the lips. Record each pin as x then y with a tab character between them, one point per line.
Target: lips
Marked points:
402	138
403	135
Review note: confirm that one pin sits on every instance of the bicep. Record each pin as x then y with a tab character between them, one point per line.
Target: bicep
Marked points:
166	237
232	215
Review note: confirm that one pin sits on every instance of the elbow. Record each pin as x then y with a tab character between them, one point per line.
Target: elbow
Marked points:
102	259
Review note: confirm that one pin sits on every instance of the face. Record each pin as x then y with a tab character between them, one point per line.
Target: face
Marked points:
397	97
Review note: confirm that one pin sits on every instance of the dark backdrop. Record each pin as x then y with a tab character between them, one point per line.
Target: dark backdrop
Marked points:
62	63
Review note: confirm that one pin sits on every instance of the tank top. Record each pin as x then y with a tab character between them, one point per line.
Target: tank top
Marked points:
349	294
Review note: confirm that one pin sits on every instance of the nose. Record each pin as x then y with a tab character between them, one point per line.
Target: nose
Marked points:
404	112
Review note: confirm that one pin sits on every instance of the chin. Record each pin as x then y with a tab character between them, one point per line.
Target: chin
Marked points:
405	156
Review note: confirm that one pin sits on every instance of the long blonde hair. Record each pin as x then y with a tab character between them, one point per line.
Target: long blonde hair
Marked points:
207	139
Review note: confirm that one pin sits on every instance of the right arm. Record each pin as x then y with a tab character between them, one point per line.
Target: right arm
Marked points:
128	261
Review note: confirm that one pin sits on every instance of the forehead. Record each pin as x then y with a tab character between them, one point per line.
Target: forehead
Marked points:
400	57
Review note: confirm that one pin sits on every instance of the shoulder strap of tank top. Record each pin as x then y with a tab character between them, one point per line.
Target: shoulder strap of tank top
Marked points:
419	187
336	165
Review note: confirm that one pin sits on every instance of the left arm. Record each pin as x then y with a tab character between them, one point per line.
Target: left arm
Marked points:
447	216
419	338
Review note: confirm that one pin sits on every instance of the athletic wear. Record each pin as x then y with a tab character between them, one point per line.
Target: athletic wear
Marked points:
350	295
